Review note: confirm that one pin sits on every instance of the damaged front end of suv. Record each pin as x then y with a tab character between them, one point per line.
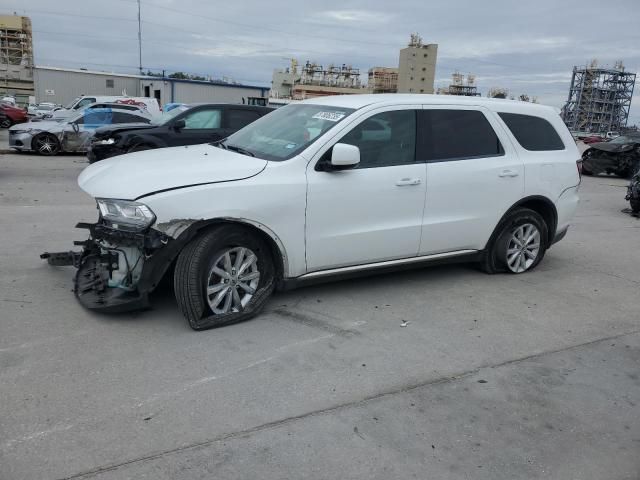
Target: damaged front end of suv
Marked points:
123	259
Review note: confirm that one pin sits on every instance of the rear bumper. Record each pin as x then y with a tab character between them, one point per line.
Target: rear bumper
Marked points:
560	235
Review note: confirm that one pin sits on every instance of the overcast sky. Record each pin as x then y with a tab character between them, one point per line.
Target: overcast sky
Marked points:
527	47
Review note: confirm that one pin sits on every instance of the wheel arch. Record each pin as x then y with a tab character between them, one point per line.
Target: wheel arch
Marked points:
276	247
539	204
136	139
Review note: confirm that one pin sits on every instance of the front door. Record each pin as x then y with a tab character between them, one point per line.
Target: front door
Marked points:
372	212
474	176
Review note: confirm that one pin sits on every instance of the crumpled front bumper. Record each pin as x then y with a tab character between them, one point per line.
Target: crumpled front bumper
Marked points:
96	153
117	269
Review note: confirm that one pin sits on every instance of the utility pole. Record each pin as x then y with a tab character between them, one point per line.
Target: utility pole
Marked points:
139	39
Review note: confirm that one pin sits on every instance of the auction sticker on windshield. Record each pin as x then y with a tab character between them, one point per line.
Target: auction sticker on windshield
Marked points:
331	116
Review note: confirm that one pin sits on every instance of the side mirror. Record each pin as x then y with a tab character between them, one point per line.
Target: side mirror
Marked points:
179	124
75	127
344	156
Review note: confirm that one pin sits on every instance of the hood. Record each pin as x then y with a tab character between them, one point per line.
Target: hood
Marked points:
612	147
107	131
45	125
139	174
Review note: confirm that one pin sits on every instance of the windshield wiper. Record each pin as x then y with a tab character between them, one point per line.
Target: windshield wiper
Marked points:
219	143
238	149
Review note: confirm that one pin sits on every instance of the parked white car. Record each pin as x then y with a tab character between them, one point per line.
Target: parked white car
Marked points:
146	103
37	111
331	186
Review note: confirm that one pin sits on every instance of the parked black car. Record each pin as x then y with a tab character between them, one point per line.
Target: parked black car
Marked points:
183	125
620	156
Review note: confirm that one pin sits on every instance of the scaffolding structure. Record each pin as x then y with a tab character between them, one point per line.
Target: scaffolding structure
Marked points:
16	56
461	86
344	76
599	99
383	80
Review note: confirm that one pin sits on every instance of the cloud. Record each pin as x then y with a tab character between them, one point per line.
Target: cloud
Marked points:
526	48
355	17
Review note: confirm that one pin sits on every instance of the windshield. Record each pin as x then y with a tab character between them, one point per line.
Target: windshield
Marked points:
70	106
45	107
287	131
168	116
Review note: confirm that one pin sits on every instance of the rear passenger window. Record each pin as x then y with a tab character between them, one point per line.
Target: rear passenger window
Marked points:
533	133
457	135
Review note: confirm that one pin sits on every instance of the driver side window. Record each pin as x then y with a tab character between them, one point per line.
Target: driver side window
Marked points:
385	139
203	119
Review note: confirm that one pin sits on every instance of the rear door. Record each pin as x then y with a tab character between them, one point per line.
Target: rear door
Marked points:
474	176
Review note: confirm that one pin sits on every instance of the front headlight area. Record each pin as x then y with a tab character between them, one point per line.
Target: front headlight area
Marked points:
125	214
124	241
104	141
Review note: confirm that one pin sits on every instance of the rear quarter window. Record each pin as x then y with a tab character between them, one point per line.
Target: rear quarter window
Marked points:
532	133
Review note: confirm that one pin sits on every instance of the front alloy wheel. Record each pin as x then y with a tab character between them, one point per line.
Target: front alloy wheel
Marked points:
523	247
232	280
47	144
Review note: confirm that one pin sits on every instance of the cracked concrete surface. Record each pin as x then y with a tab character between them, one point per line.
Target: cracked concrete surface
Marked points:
530	376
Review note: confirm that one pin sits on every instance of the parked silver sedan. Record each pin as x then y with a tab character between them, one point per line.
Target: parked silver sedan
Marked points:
71	134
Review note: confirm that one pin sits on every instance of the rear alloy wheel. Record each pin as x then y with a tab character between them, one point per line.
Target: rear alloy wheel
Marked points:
523	247
518	243
46	144
223	276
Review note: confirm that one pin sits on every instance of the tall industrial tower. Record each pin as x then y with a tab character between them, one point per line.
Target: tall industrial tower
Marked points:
599	99
16	57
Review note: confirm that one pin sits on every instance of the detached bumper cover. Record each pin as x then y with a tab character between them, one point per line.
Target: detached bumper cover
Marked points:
105	256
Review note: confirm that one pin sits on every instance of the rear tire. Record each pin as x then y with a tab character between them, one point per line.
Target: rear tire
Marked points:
518	243
635	205
6	123
223	276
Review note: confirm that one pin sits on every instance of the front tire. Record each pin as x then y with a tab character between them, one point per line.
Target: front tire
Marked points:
6	123
518	244
46	144
223	276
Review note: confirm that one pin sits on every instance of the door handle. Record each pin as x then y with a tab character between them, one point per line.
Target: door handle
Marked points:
404	182
508	173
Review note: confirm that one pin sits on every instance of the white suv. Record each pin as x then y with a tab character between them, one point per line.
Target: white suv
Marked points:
331	186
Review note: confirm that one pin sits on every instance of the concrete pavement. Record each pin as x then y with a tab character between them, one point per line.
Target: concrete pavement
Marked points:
326	383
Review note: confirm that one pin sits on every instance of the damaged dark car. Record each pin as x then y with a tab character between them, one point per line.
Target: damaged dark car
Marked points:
620	156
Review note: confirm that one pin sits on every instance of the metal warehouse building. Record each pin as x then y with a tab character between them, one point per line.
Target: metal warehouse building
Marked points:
62	85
